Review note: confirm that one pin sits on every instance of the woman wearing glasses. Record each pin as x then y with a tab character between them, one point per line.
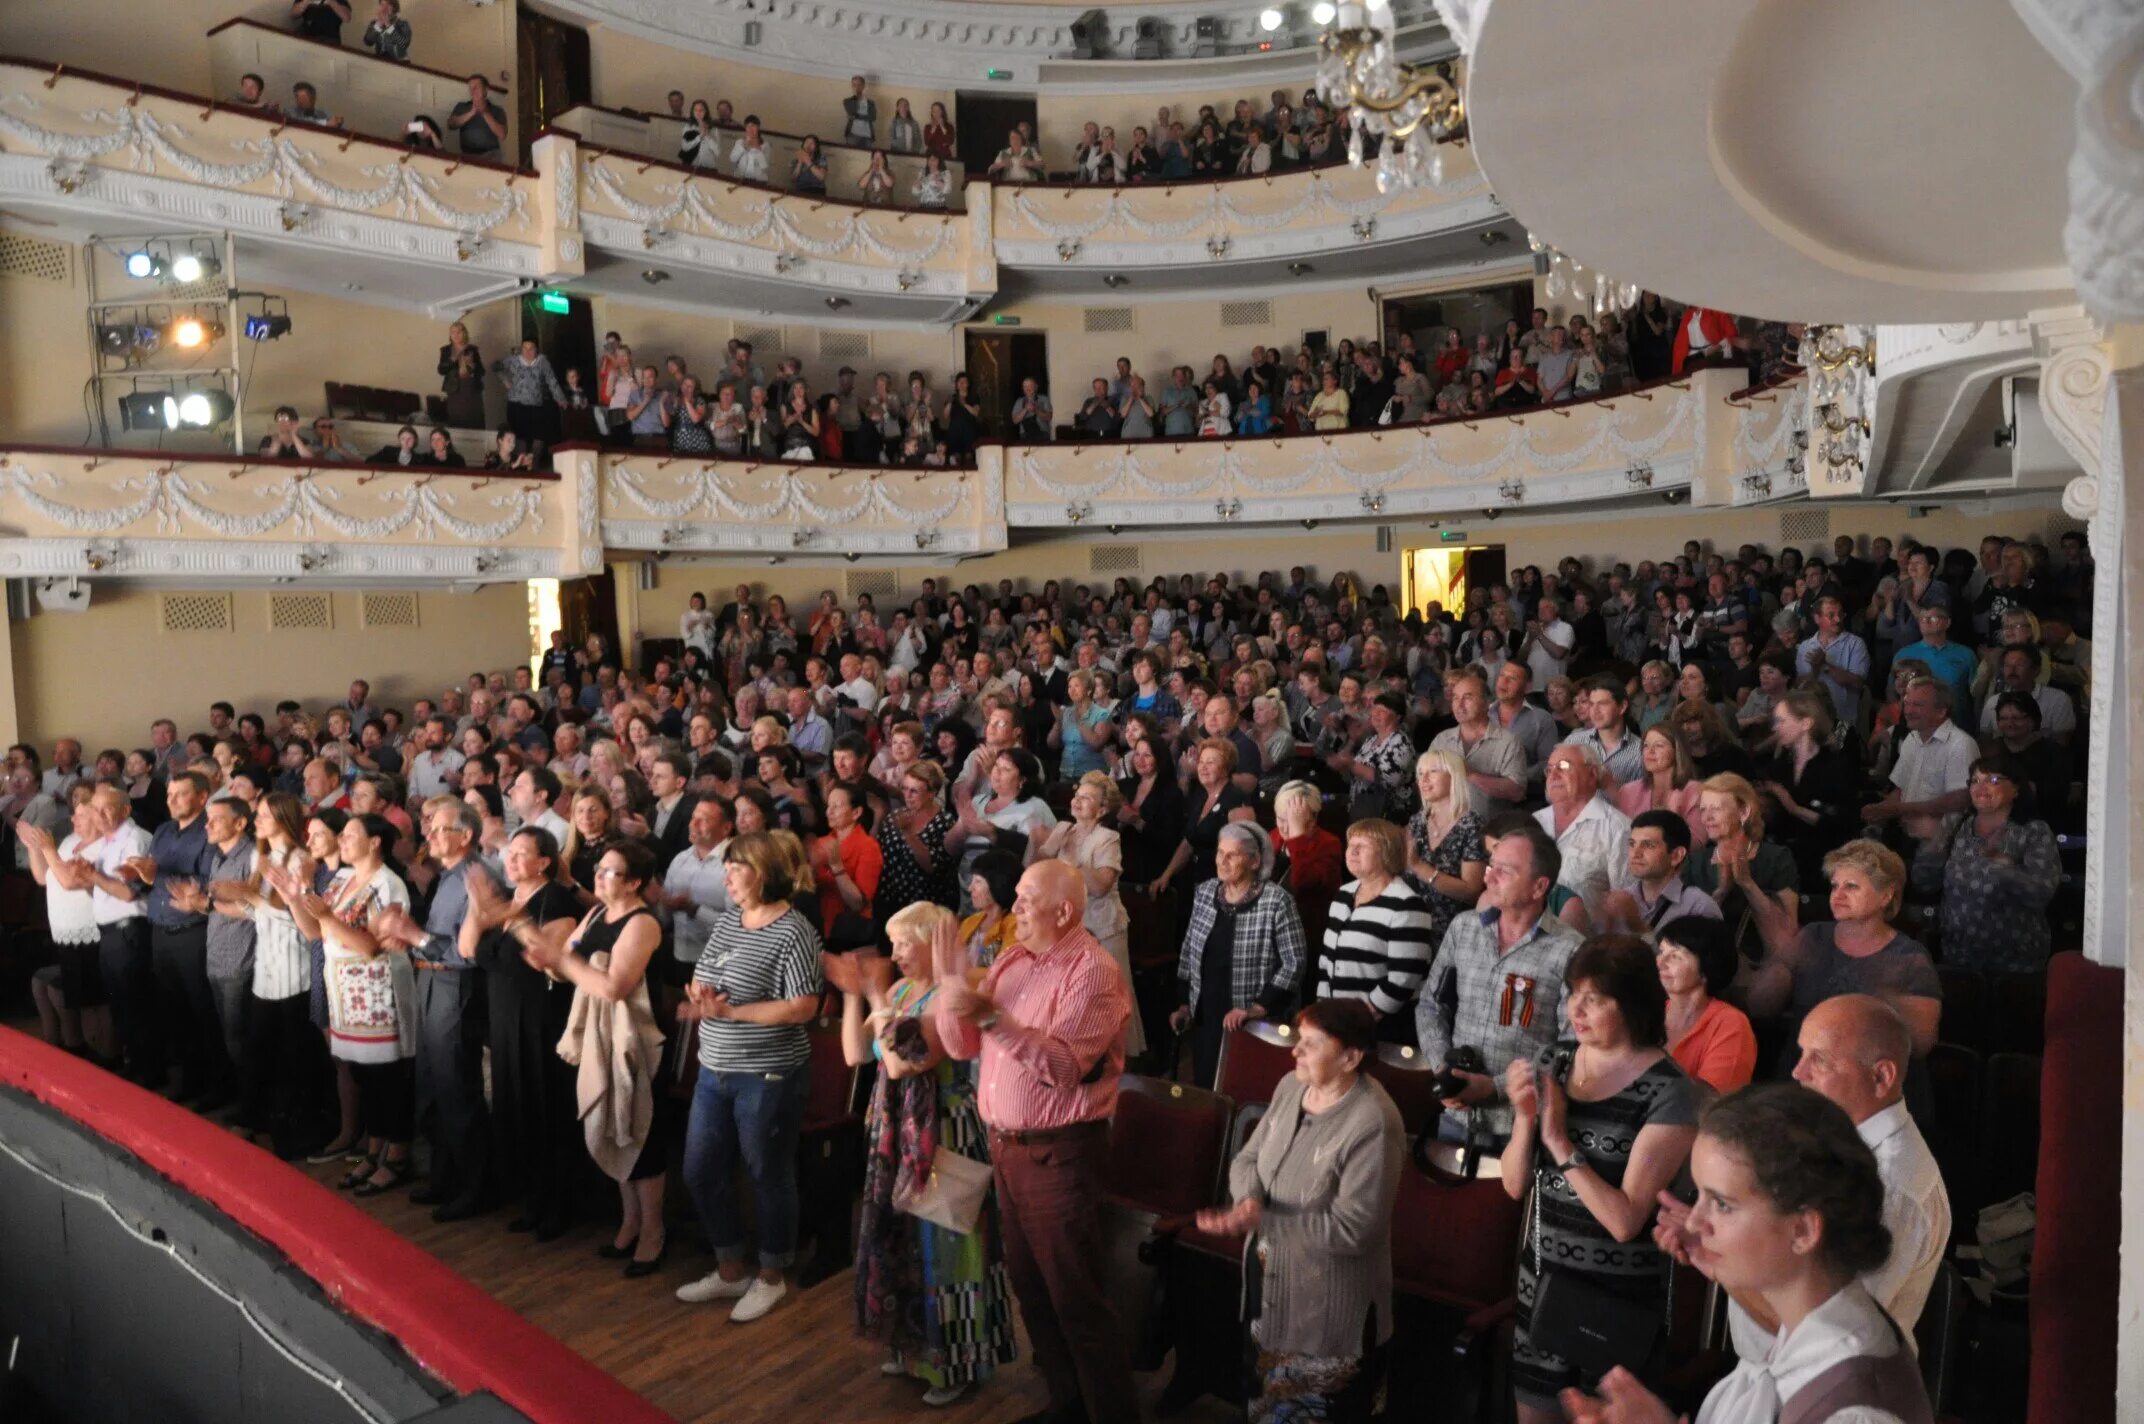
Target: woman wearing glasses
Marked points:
1995	873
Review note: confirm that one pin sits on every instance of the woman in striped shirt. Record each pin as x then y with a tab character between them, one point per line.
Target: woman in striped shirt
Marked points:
1377	945
757	984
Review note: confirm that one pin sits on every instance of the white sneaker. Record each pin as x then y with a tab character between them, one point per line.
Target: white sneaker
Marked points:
712	1287
758	1300
939	1396
893	1365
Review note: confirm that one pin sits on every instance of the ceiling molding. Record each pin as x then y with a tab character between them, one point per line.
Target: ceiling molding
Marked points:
952	44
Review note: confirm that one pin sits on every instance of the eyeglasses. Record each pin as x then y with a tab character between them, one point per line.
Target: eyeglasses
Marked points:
1989	778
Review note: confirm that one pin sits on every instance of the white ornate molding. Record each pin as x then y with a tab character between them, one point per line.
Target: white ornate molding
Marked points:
2075	367
2105	232
233	562
952	43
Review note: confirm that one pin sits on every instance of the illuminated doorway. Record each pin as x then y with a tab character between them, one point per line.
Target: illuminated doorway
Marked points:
1444	573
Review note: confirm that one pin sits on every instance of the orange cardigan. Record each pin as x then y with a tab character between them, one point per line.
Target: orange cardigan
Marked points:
1720	1050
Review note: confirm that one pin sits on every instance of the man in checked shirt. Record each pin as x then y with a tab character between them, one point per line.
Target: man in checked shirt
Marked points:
1496	984
1047	1020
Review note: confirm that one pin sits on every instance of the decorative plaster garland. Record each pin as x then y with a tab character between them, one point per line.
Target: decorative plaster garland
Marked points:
300	502
151	139
711	490
1323	459
855	228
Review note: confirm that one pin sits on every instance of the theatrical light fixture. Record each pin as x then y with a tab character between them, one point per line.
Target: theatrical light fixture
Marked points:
144	265
193	266
189	332
127	340
175	410
1270	20
267	328
142	410
1322	13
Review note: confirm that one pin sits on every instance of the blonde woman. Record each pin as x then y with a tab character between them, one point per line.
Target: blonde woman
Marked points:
940	1299
1752	880
1857	951
1445	857
1095	851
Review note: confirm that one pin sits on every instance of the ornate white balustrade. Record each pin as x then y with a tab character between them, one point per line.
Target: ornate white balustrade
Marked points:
1664	438
783	509
117	514
133	152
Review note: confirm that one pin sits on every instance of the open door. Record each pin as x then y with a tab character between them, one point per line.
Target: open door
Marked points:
997	362
981	121
1446	574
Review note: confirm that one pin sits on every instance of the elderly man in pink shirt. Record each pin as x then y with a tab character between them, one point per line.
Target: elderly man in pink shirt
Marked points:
1047	1020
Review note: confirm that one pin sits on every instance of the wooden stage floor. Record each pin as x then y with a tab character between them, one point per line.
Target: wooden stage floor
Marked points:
801	1362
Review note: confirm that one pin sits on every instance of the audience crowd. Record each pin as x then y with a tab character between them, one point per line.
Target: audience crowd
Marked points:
1604	848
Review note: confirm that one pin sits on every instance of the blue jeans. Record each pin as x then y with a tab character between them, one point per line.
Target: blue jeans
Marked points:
755	1115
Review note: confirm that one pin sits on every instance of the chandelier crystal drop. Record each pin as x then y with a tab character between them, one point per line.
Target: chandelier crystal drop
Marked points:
1413	110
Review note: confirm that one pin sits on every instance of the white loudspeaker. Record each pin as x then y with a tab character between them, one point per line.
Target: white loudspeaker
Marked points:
63	595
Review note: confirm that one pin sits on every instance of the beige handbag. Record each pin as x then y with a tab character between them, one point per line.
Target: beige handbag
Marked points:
951	1196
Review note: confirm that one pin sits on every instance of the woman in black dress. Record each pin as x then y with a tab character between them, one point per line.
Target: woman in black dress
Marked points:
626	933
963	421
594	831
533	1103
1652	338
1212	802
1811	789
916	846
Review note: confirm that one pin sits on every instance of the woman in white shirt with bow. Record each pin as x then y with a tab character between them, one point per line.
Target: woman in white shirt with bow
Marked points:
1789	1211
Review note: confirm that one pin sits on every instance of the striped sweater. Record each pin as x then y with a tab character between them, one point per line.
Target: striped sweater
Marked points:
1379	951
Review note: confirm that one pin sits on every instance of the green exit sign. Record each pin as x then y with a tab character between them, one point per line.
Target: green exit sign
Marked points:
1452	536
1000	75
1003	320
556	303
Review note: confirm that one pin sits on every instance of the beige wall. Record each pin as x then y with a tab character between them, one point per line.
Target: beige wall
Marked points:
45	356
163	44
105	673
628	72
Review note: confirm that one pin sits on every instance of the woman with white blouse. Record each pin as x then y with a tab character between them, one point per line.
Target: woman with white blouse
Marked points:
282	1056
1097	853
934	185
73	922
1011	807
696	626
748	156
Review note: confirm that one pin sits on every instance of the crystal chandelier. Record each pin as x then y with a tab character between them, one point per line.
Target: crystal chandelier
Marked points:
1841	361
1588	286
1415	110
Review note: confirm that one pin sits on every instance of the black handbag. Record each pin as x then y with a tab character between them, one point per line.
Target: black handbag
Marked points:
1587	1324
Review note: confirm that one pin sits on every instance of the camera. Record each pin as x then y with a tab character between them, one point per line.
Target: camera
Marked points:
1448	1083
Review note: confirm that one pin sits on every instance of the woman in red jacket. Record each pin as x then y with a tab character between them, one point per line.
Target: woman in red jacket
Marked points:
1315	860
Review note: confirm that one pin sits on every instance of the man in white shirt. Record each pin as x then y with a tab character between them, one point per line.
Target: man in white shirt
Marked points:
531	795
1496	763
119	896
1935	761
855	686
1854	1051
1592	834
436	770
693	887
1548	643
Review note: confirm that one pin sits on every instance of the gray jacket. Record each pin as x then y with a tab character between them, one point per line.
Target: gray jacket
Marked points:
1326	1185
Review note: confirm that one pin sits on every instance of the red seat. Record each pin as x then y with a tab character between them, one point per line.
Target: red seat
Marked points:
1254	1059
831	1099
1455	1241
1165	1146
1407	1080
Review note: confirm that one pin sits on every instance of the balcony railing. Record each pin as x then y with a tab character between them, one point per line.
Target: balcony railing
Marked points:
115	513
134	148
656	136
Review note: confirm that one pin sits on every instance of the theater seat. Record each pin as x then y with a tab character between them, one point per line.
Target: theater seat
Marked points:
2017	1018
1455	1244
1165	1146
1254	1059
1939	1335
1400	1071
2009	1126
1965	1006
830	1160
1953	1133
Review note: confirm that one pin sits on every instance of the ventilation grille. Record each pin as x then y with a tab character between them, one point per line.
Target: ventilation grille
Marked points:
879	583
1385	540
766	344
1107	318
1113	558
845	345
1804	526
1247	313
195	612
388	610
34	258
301	612
208	289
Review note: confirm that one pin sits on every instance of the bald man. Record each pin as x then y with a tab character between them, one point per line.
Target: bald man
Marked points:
1047	1020
1854	1050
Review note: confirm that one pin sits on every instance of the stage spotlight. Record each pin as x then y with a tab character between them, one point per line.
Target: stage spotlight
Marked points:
267	328
143	410
1090	32
189	332
197	410
1270	20
144	265
193	266
1322	13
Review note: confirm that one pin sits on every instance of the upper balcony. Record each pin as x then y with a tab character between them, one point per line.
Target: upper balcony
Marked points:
656	136
86	153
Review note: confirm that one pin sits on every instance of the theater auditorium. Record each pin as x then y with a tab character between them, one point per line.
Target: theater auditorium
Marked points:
1374	710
